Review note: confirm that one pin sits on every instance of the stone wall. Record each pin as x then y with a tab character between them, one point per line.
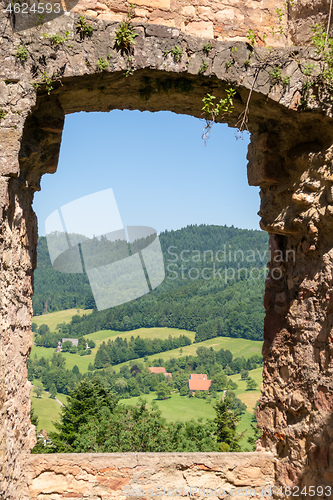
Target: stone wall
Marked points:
213	19
145	475
276	23
290	158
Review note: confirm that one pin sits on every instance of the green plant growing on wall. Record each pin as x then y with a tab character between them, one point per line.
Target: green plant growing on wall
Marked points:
324	46
57	39
279	13
102	64
213	110
221	108
251	37
125	35
83	28
308	69
177	53
203	67
40	20
275	75
2	114
21	52
207	48
47	80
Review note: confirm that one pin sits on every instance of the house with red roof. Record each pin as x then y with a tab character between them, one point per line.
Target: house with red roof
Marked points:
199	382
159	369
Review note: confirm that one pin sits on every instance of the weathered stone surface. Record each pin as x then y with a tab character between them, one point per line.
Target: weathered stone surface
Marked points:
92	476
156	4
290	158
229	19
204	29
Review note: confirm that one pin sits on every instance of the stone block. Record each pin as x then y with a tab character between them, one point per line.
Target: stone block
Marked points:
110	16
225	16
156	4
189	11
161	31
205	13
203	29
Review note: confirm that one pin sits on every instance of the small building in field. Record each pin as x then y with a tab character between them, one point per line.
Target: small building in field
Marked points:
199	382
75	342
58	348
159	369
42	436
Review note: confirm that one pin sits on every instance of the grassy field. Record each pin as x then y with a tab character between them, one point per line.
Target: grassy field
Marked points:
144	333
238	347
178	407
71	359
248	397
62	398
47	411
173	409
183	408
244	428
53	319
103	335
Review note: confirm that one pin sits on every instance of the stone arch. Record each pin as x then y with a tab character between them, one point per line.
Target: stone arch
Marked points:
290	158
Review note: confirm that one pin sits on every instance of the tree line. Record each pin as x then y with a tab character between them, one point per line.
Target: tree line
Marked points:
134	379
93	421
119	350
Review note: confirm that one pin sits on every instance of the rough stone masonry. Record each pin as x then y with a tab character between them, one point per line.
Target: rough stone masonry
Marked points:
290	158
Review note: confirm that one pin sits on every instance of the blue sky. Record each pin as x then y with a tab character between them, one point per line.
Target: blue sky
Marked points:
161	173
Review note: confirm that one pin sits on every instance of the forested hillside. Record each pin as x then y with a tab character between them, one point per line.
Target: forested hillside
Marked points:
214	286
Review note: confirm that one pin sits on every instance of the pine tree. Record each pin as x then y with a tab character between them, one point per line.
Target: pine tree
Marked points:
87	400
226	421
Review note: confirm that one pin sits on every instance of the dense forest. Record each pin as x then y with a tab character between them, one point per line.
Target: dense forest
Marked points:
214	286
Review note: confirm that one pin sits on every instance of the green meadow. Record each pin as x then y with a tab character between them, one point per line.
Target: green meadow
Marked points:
178	408
248	397
47	411
145	333
54	318
183	408
238	347
175	408
71	359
